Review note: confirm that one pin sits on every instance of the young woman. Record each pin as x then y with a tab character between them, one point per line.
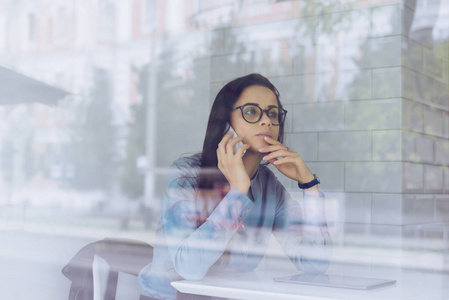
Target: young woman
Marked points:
221	206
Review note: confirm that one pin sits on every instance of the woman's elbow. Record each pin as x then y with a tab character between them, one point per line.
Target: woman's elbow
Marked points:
189	270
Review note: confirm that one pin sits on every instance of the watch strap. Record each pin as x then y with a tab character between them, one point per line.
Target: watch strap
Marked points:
310	184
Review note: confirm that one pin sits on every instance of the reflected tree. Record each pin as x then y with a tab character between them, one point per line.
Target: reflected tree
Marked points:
29	165
16	153
6	160
93	137
182	103
131	179
17	161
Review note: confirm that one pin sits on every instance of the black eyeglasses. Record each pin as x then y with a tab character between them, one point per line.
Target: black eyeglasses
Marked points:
252	113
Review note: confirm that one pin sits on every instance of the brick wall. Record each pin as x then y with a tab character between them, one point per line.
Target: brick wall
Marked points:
368	106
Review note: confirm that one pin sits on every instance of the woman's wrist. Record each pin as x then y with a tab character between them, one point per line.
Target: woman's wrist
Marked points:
241	187
309	178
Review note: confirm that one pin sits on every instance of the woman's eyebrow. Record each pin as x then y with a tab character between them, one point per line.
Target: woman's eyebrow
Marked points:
255	104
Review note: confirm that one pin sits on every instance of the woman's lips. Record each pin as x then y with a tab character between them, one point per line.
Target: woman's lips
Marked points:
264	134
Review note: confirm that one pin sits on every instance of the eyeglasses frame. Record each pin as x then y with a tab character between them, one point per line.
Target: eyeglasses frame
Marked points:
263	111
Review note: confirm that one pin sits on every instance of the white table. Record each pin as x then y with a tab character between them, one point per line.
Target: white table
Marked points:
259	284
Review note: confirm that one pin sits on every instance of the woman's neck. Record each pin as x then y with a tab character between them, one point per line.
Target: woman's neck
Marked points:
251	161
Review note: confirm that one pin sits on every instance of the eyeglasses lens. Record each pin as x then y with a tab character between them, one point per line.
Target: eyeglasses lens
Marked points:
252	114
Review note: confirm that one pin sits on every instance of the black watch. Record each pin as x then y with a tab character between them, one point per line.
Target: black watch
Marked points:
307	185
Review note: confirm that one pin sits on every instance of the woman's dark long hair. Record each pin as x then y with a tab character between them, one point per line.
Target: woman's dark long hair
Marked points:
218	124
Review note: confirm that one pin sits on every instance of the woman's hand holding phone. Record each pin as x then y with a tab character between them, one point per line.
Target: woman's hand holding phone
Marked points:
238	144
231	164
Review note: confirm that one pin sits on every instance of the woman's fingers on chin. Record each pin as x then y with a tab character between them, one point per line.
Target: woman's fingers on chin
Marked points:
272	149
276	154
280	161
284	160
271	141
272	161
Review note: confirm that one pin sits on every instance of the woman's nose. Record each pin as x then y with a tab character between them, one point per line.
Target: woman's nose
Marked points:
265	120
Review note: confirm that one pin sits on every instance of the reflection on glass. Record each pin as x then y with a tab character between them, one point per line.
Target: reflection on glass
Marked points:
365	84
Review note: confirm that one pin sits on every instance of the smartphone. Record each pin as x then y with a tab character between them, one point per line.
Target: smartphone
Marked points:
239	144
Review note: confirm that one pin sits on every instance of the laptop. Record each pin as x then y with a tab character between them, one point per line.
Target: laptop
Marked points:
336	281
